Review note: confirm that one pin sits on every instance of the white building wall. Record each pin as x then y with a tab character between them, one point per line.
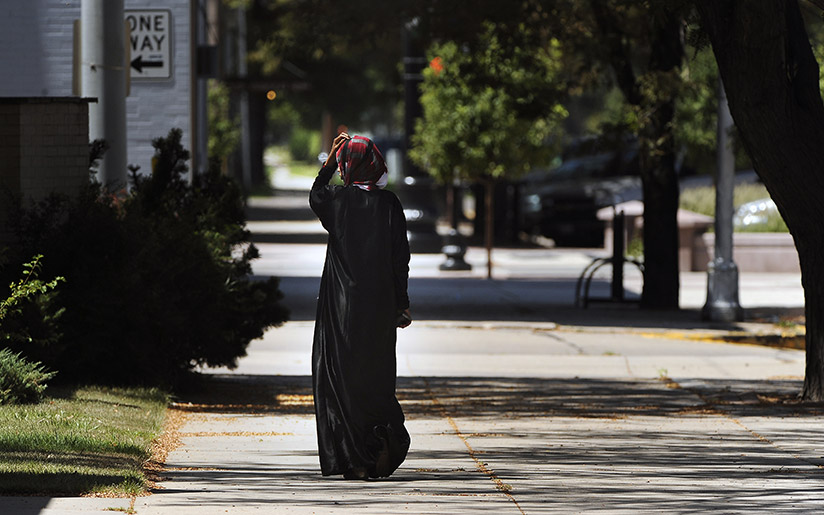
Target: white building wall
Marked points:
36	47
36	54
56	28
156	107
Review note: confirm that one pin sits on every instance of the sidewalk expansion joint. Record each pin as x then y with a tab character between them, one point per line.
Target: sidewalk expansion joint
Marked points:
483	467
712	407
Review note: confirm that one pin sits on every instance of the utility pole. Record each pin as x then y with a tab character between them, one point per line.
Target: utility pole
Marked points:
417	190
722	273
103	76
199	109
204	41
245	120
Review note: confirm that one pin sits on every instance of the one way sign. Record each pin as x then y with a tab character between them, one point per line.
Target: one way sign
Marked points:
151	42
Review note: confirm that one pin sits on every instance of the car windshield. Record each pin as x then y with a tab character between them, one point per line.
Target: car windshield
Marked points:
582	167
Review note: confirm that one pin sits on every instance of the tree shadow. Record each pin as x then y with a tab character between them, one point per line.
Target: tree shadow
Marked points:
555	444
515	397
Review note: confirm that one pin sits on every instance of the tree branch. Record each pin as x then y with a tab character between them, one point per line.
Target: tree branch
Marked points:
817	3
618	52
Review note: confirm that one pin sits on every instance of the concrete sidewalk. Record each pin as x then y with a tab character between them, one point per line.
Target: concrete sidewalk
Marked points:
508	419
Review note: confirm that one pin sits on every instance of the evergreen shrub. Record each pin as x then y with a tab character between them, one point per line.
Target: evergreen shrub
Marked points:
28	316
20	380
158	279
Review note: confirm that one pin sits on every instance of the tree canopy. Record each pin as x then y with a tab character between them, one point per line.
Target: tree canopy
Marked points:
492	109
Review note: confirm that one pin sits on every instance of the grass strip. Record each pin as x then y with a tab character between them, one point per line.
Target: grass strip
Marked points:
80	441
303	169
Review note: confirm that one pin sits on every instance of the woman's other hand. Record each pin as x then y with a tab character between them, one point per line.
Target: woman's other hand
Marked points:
339	140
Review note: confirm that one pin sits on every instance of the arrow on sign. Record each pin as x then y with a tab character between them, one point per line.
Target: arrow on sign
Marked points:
138	64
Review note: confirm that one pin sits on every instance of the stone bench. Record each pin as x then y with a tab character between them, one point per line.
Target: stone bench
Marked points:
691	227
752	251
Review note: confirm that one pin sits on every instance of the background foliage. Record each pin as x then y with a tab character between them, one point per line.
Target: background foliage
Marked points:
492	110
224	129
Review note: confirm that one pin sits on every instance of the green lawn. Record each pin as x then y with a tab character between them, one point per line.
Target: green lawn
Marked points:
80	441
301	168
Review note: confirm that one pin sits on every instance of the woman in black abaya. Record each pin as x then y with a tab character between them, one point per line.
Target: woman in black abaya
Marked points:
362	301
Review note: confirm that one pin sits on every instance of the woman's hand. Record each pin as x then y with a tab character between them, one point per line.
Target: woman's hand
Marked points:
405	319
339	140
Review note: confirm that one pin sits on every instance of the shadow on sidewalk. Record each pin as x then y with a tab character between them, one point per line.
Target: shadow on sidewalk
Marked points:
515	397
556	444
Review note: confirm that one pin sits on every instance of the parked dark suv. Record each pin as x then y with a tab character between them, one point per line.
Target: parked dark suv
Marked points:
561	203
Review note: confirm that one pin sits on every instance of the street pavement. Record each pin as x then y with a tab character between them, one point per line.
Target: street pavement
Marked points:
516	401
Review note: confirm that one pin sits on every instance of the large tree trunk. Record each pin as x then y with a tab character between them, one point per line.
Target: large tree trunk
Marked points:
660	188
771	79
658	174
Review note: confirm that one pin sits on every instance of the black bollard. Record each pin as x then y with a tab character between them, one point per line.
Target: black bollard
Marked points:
454	248
618	244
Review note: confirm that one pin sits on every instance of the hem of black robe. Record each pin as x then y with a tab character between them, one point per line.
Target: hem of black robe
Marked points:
395	445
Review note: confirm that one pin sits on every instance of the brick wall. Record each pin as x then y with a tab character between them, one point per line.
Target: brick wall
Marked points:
9	151
54	147
155	107
44	148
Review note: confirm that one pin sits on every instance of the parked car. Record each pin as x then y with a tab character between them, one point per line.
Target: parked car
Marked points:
758	216
561	203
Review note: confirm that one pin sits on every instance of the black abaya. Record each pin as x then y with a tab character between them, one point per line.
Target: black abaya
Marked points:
363	287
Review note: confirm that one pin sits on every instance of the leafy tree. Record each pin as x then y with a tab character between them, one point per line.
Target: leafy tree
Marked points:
643	45
772	82
349	53
491	110
668	102
639	47
224	131
346	53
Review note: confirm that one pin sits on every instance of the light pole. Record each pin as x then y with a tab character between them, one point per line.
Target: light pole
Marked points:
722	273
103	76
